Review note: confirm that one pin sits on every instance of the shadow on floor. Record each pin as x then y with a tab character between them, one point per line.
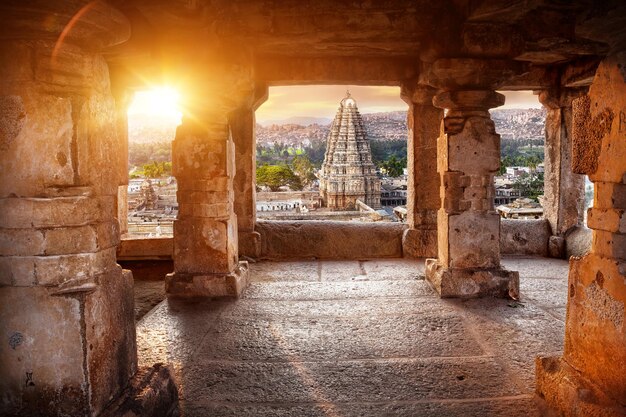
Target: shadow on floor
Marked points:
149	278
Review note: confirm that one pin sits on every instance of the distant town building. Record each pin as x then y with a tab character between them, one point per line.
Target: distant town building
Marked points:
348	173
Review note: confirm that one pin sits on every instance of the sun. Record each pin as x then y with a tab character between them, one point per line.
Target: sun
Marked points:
161	102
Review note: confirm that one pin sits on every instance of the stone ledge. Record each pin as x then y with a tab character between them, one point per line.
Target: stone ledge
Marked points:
472	283
152	392
208	285
561	388
419	243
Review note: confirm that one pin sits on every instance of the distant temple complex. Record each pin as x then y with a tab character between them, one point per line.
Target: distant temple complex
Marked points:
348	173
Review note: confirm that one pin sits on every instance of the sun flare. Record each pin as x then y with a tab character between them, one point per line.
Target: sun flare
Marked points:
162	102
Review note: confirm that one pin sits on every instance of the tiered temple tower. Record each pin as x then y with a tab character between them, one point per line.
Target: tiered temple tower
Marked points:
348	172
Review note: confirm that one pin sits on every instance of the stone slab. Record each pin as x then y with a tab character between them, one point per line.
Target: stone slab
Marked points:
284	271
537	267
346	381
336	290
504	407
369	337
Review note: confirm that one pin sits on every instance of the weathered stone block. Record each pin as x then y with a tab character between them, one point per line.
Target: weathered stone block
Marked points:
110	334
609	220
41	365
481	145
42	129
609	195
249	244
68	240
562	388
23	213
596	335
472	282
610	245
205	245
556	247
54	270
419	243
524	237
18	271
474	240
196	157
208	285
21	242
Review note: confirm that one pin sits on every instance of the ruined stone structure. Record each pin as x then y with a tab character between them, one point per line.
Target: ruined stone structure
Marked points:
68	69
348	173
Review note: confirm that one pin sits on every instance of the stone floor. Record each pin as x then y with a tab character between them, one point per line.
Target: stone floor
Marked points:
359	338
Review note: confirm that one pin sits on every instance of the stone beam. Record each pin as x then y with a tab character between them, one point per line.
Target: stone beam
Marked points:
290	70
590	377
468	228
423	119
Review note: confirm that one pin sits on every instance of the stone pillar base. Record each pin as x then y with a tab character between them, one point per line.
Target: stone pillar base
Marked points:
249	244
419	243
208	285
472	283
561	388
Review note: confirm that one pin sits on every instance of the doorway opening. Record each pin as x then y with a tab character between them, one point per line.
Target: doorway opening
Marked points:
331	152
153	116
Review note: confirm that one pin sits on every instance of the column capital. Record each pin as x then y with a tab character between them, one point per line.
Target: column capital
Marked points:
555	98
414	93
468	100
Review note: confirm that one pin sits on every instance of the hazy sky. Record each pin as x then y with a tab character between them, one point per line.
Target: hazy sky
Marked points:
323	101
304	101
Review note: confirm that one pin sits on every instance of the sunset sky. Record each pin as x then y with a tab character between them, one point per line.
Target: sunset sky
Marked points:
303	101
323	100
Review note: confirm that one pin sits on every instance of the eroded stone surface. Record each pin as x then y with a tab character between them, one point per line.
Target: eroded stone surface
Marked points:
384	344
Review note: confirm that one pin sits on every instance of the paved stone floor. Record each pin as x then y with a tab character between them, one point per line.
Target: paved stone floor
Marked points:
359	338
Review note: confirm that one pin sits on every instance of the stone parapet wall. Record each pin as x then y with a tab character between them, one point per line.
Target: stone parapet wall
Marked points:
517	237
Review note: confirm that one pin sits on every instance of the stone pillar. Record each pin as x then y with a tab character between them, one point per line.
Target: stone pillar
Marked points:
66	307
205	231
242	125
423	201
122	101
468	228
590	378
564	191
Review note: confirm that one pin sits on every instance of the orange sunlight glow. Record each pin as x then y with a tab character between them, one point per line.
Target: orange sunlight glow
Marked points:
161	102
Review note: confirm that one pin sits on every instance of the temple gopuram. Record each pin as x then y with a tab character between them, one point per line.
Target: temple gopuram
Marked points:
348	173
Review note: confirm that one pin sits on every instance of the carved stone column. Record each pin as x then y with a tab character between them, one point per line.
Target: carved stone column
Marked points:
242	124
423	201
590	378
564	191
66	307
468	229
205	231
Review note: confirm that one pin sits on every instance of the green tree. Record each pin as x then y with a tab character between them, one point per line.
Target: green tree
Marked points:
531	185
276	176
304	169
393	166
